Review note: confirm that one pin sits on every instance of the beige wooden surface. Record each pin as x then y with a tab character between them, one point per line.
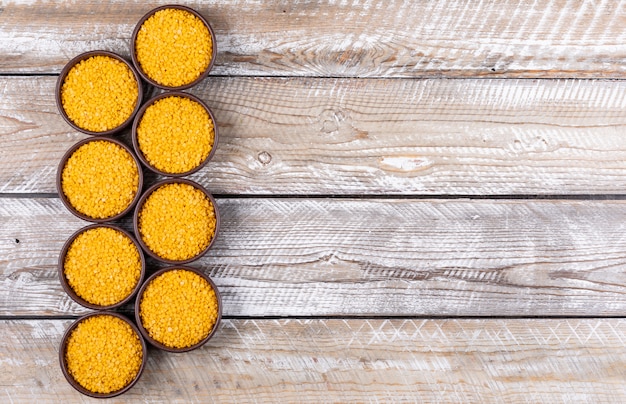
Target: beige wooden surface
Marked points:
303	136
338	257
421	201
348	38
402	360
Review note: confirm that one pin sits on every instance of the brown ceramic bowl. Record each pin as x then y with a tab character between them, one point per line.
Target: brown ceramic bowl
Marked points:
137	121
66	201
68	289
140	206
159	345
74	383
85	56
134	54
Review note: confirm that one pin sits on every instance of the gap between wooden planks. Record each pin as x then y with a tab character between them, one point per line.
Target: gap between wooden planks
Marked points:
338	257
509	38
303	136
358	360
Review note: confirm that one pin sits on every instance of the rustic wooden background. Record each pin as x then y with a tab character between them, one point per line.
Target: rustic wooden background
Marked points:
421	200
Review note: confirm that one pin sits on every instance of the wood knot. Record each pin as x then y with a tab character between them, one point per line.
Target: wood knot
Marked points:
404	163
265	158
332	120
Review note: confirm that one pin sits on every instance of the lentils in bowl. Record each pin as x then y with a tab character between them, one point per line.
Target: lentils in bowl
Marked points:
102	354
101	266
173	47
178	309
176	221
174	134
98	93
99	179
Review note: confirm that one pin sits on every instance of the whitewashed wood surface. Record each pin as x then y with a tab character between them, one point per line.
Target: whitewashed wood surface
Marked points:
349	360
306	136
348	38
422	201
337	257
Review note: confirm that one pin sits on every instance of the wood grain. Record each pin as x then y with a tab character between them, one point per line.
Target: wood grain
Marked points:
372	99
322	257
358	136
489	361
458	38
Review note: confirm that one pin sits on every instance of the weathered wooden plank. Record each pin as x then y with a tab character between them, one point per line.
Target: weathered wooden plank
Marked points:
358	136
512	38
303	257
489	361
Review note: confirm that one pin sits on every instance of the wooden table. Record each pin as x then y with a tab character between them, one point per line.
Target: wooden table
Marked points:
421	201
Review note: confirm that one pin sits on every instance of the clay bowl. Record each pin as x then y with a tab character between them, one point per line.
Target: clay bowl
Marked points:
143	199
140	115
65	199
79	59
149	79
68	289
74	383
145	332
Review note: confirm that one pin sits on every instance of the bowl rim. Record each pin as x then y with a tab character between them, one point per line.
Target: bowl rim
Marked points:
159	345
143	199
80	58
68	289
133	40
66	201
137	121
63	361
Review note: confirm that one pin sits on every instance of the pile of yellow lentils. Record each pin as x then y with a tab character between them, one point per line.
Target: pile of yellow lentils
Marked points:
99	93
173	47
178	308
177	221
103	354
102	266
100	179
175	134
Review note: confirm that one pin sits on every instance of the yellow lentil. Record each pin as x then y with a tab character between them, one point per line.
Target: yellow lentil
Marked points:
103	354
100	179
99	93
173	47
178	308
102	266
177	221
175	134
